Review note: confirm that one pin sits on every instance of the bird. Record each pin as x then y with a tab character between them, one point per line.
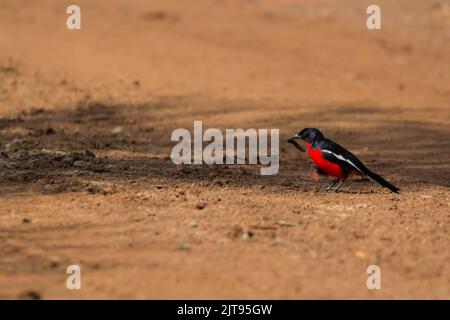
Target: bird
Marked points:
334	160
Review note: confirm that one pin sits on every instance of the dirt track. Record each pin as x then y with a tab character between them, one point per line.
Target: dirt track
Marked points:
86	178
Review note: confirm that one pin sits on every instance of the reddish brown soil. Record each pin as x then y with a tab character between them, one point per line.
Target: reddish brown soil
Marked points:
86	178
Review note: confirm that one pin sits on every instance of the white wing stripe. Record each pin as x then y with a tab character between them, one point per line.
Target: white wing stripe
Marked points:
343	159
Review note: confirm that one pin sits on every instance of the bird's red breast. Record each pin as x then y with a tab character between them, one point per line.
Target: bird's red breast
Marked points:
326	166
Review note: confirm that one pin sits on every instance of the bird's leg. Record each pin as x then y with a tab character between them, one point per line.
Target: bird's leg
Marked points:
341	182
332	185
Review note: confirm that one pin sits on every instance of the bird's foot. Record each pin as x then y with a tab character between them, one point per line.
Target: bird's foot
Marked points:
330	188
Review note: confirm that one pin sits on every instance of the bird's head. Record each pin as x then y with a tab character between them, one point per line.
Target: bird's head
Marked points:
309	135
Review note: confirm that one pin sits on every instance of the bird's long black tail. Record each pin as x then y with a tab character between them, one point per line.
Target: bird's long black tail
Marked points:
381	180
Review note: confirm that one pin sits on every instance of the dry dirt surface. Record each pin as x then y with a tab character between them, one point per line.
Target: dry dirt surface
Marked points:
86	178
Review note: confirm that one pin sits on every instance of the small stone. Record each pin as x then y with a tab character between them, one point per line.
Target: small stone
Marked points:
79	163
193	224
26	220
54	262
200	205
31	294
247	235
360	254
117	130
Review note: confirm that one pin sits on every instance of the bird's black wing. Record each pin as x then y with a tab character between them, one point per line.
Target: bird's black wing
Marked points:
334	153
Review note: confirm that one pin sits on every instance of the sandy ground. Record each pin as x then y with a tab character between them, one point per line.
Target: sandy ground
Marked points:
86	178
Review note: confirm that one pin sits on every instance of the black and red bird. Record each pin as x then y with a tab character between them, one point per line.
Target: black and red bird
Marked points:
333	160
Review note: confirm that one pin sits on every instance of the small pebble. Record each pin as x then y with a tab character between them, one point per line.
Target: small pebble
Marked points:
200	205
79	163
117	130
26	220
247	235
193	224
31	295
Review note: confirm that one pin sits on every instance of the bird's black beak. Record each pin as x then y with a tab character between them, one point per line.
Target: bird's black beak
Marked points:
294	141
